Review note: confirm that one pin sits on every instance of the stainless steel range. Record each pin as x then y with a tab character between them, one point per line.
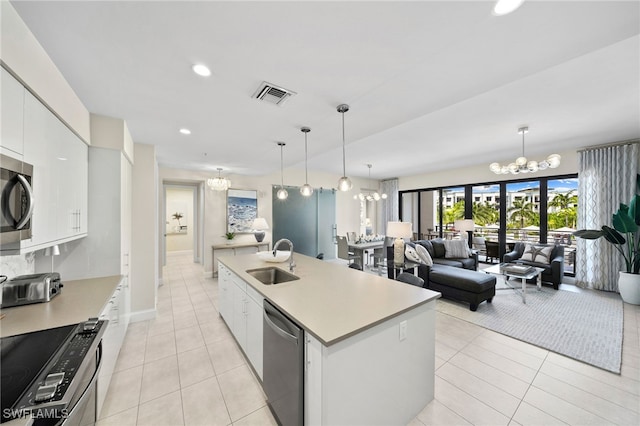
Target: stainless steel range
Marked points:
51	375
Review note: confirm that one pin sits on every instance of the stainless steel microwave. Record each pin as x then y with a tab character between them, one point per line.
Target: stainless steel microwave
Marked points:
16	179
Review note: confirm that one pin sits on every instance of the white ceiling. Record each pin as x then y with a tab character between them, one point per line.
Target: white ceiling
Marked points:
430	84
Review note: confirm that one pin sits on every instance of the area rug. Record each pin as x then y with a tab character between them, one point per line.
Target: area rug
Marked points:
586	325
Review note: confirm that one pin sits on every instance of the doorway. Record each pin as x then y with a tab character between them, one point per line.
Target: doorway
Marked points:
182	220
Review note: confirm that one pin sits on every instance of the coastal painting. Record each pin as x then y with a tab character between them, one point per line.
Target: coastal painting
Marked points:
242	209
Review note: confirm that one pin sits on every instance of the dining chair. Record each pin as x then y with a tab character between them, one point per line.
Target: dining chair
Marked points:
380	258
351	237
343	250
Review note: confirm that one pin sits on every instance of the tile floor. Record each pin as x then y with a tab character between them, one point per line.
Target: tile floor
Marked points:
184	368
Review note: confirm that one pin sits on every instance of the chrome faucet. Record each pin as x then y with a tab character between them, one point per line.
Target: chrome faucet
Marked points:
292	264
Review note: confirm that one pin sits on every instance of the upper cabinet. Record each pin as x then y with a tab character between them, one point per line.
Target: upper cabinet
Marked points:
60	168
11	114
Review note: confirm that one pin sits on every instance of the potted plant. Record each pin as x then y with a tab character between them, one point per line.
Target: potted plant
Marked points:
625	237
230	236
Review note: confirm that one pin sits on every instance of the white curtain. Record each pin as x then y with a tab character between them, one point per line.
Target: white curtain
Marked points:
607	177
390	205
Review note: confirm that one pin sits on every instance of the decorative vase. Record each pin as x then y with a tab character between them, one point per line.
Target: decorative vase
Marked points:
229	241
629	287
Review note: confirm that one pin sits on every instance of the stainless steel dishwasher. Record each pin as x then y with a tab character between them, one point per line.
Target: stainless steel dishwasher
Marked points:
283	363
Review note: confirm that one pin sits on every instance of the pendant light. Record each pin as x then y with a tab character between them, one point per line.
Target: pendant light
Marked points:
522	165
306	190
282	193
370	194
344	184
219	183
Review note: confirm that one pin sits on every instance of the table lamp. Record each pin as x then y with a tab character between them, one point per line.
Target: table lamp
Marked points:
399	230
465	226
259	225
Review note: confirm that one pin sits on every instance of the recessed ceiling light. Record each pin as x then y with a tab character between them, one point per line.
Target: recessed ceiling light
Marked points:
504	7
185	131
202	70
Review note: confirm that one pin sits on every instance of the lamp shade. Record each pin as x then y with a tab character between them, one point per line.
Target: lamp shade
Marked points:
260	224
464	225
399	229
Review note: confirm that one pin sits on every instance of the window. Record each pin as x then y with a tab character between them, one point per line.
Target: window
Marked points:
562	215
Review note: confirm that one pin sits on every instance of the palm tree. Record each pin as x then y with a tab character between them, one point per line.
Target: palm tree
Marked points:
484	213
454	213
521	210
564	202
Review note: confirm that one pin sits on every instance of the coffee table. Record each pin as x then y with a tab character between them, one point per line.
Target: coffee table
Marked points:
535	273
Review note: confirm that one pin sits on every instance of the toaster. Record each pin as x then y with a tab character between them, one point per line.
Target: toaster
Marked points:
27	289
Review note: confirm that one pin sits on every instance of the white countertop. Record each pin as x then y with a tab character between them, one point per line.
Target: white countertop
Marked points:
79	300
330	300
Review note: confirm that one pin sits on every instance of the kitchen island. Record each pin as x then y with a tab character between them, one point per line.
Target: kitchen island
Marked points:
369	341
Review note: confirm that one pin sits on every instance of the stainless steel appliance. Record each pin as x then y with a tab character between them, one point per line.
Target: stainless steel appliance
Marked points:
283	362
51	375
26	289
16	202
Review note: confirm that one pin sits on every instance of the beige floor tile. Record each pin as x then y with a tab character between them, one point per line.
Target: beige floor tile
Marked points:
241	393
508	352
588	384
444	351
160	346
491	375
528	415
159	378
517	344
203	404
125	418
184	319
163	411
194	366
162	324
225	355
466	406
189	338
561	409
610	411
439	362
206	315
261	417
123	393
214	330
485	392
131	355
437	414
513	368
413	422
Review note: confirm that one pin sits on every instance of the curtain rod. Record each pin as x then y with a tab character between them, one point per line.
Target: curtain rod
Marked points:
607	145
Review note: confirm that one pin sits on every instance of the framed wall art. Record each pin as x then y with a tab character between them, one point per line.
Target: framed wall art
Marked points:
242	209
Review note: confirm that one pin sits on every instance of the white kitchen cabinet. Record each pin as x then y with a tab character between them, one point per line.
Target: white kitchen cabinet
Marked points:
11	114
60	174
117	313
241	307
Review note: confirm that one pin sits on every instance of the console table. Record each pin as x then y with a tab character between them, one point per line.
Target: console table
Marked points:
235	249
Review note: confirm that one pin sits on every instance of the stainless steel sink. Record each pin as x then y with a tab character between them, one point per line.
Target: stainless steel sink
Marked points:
271	275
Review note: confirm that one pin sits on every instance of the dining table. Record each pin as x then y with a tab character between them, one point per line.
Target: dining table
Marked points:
360	248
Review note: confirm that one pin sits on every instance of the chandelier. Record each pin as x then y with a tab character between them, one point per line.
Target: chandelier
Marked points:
219	183
522	165
370	194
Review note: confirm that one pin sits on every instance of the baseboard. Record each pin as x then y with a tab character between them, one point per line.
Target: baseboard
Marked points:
145	315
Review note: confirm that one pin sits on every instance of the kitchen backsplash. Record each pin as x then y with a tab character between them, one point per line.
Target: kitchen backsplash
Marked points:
12	266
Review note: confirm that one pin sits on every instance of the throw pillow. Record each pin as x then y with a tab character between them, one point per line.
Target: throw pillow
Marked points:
538	254
455	249
424	255
411	255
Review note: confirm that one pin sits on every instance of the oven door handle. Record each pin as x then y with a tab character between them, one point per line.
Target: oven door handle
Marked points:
29	192
86	393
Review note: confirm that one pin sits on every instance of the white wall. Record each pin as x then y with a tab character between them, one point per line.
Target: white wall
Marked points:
144	230
179	200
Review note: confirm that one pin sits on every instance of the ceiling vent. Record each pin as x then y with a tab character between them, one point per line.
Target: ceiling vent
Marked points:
273	94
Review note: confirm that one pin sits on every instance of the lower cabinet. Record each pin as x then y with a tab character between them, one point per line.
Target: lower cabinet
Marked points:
117	313
241	308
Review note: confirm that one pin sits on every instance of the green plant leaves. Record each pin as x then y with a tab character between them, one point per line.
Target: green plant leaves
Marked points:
623	222
634	209
589	234
612	235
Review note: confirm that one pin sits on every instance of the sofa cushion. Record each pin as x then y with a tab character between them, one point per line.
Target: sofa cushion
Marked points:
438	248
455	249
427	245
411	255
537	254
463	279
457	263
424	255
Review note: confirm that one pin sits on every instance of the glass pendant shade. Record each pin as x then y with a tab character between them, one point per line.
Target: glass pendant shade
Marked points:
306	190
282	194
344	184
